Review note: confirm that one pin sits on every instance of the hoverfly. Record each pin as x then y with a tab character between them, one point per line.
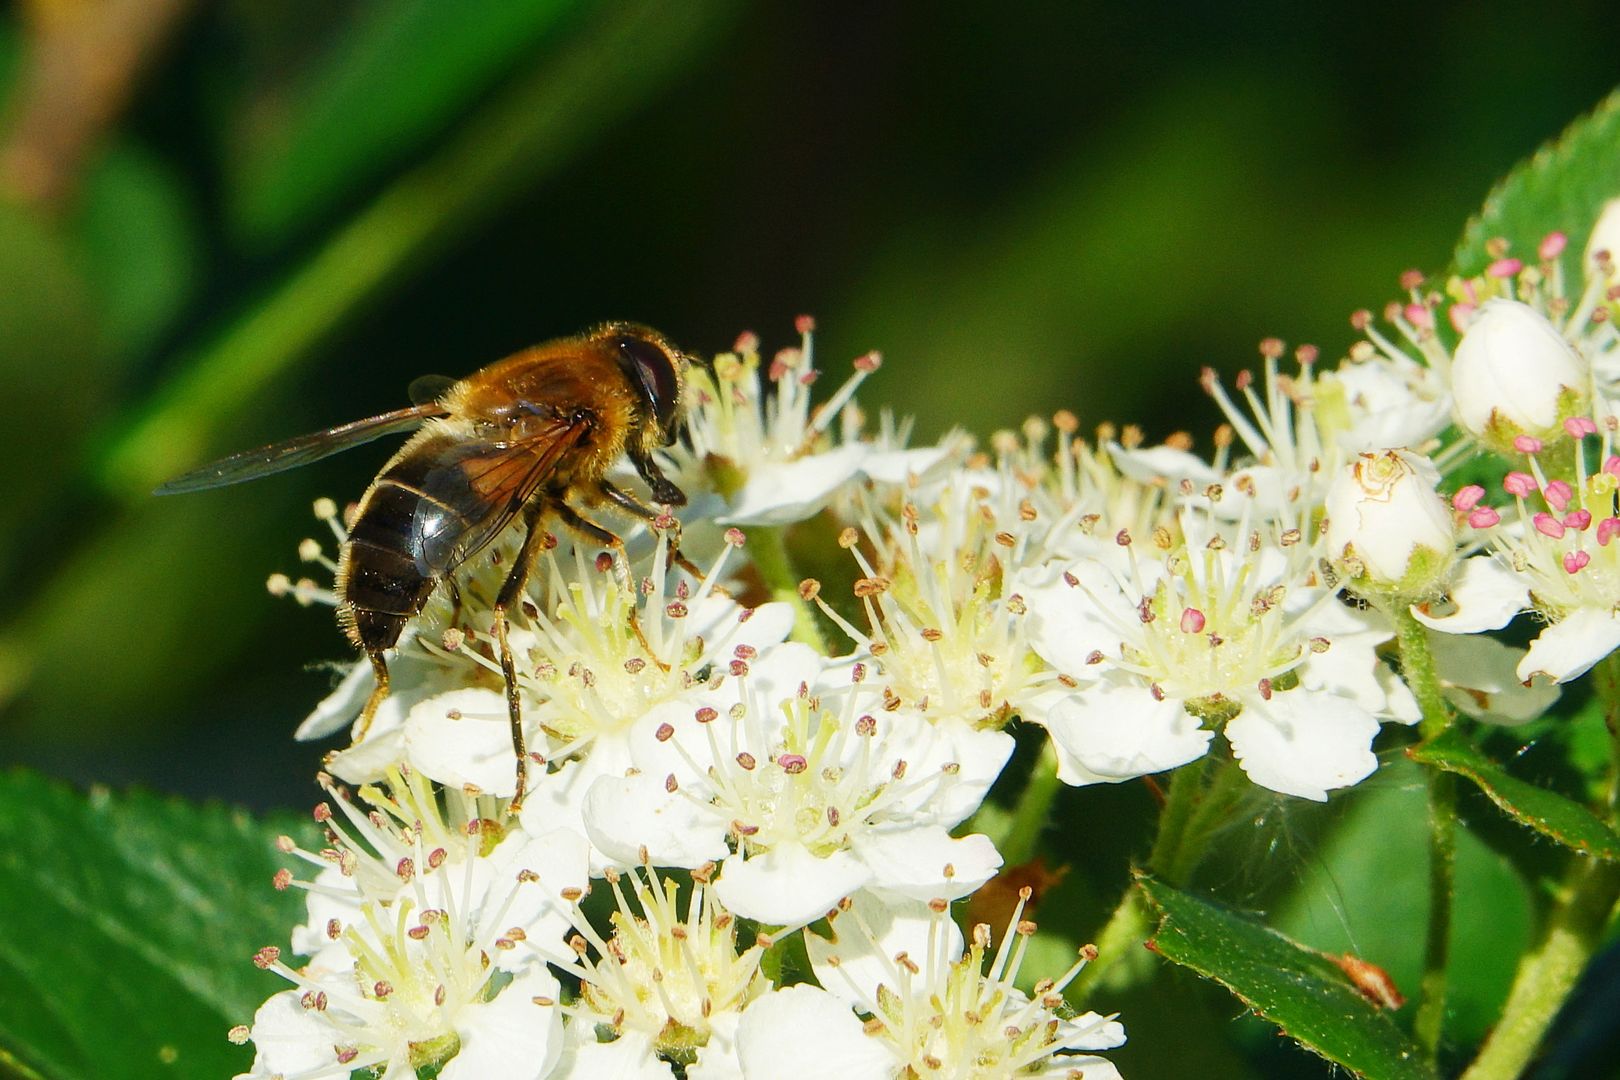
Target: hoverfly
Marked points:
531	435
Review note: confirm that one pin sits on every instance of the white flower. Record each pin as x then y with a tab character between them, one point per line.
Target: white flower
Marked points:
1381	397
1558	547
1514	374
1243	638
1387	524
819	798
668	984
417	959
932	1009
945	631
1283	478
416	843
755	451
600	663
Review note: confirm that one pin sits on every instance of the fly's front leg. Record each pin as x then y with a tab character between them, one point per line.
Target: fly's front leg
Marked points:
512	593
590	529
665	492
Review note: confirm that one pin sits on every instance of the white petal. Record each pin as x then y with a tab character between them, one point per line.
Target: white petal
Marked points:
978	755
543	867
463	738
723	624
1400	704
370	760
1485	596
335	896
629	817
291	1039
1302	743
896	926
1090	1031
927	862
1149	464
898	466
1067	623
512	1037
1117	731
716	1062
629	1057
804	1033
1570	647
339	707
1479	673
788	886
782	492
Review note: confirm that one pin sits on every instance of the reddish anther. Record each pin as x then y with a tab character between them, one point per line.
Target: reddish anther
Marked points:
1519	484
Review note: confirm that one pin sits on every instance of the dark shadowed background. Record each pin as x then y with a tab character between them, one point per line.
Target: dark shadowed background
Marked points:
228	223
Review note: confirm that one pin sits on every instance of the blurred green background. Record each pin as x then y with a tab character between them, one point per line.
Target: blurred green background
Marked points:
222	224
233	222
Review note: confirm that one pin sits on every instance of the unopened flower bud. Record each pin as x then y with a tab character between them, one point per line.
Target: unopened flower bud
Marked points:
1388	526
1514	374
1605	241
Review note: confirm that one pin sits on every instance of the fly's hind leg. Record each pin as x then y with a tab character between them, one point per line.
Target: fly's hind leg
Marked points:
512	593
591	530
379	668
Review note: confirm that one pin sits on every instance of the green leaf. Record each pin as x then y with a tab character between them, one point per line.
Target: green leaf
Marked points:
1563	187
140	248
130	925
396	76
1336	897
1545	811
506	147
1298	989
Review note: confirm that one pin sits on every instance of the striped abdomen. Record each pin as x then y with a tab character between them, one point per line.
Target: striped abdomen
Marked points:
394	555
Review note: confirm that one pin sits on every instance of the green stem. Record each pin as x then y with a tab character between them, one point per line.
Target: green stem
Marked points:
1227	786
1417	664
769	550
1431	1012
1121	961
1607	680
1548	973
1186	786
1034	807
1573	930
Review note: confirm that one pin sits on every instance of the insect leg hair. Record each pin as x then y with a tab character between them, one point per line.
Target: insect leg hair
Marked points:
511	594
379	668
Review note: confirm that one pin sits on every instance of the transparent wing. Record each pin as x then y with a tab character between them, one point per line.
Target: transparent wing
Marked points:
478	488
428	389
281	456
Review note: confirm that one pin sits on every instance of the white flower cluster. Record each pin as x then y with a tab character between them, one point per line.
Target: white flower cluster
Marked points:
734	780
697	760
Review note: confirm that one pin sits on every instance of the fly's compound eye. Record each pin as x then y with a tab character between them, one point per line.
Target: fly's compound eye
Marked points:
653	372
